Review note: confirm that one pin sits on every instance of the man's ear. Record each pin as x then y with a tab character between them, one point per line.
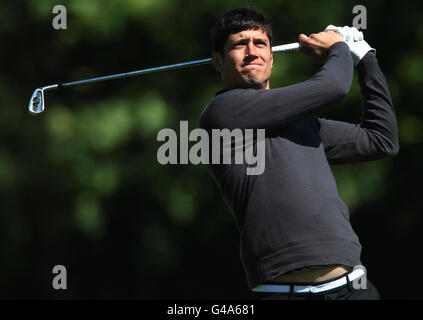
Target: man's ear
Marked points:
217	61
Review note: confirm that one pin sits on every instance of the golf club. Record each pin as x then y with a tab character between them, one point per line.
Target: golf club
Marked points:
37	104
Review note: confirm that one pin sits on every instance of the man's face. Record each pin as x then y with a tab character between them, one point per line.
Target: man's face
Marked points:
247	60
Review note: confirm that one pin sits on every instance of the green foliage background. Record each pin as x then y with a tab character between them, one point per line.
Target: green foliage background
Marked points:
80	185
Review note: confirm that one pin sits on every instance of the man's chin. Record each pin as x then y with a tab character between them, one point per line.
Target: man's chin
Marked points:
255	83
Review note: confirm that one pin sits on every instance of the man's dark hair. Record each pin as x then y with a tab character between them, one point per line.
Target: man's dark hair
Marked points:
237	20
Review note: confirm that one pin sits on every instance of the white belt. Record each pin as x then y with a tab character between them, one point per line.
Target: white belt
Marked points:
309	288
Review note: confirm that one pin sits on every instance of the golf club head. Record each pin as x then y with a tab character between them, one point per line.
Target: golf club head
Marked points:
36	104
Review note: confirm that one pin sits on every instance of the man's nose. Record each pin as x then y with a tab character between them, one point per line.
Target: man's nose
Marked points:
251	49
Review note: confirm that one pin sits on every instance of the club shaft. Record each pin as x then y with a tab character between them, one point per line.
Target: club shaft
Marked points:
281	48
286	47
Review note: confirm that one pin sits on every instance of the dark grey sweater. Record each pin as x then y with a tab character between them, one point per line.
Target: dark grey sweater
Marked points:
291	216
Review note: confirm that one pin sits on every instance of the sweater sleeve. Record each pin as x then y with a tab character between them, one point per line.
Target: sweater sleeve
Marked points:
376	136
275	108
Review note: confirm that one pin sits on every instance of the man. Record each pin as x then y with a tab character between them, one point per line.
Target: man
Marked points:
296	240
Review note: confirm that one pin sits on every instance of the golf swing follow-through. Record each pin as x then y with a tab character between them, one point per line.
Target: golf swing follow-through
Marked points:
296	239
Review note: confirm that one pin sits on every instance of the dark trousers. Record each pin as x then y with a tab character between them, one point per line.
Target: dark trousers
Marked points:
346	292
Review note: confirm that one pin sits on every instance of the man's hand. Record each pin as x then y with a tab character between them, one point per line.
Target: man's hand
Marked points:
355	41
316	44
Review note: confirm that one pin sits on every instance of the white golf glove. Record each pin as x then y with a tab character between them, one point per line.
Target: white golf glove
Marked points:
355	41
